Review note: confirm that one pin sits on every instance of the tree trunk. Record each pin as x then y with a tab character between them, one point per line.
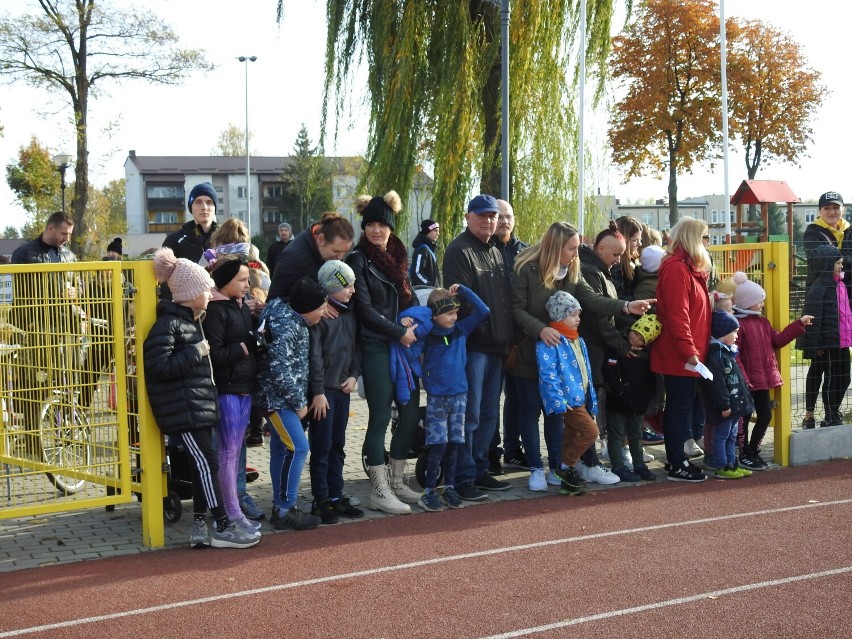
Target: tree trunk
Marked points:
673	215
490	181
80	239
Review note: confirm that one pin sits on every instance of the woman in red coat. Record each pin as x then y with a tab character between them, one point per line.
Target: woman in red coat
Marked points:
683	308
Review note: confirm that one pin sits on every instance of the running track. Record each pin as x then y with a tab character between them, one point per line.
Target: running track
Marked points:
768	556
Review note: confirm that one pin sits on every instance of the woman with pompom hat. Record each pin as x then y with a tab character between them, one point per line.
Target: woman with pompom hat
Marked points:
382	291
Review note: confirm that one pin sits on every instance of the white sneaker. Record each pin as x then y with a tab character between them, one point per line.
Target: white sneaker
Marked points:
553	479
691	449
537	481
597	474
700	442
628	458
646	456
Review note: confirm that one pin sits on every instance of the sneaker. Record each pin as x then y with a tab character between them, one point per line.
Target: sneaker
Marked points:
344	508
692	449
254	441
597	474
325	512
469	492
251	474
552	478
808	423
565	489
700	442
727	472
451	497
430	502
744	472
685	472
627	457
199	534
234	537
752	462
250	508
353	500
295	519
516	460
538	482
487	482
646	457
625	474
650	438
644	473
495	467
569	478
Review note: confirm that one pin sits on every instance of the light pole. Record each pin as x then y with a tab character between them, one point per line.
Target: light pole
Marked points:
62	161
245	60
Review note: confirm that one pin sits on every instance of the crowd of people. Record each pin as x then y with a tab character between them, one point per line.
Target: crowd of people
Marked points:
617	343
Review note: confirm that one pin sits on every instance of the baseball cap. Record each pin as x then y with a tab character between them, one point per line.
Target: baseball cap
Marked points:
483	203
830	197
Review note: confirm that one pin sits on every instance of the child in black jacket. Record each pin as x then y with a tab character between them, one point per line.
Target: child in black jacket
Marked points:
726	396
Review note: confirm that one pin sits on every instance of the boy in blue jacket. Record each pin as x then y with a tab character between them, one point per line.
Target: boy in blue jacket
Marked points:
564	381
444	351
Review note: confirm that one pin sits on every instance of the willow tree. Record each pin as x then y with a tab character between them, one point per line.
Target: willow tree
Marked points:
433	87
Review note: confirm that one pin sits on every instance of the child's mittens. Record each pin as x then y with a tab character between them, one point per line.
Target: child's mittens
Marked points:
203	347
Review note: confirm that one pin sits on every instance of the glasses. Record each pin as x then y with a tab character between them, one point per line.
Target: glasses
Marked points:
706	238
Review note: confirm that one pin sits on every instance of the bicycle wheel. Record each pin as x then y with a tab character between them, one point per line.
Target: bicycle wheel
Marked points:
65	441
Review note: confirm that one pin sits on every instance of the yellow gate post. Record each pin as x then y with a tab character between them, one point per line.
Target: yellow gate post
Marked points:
777	285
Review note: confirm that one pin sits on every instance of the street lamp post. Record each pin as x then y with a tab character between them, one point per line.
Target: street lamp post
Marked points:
62	162
245	60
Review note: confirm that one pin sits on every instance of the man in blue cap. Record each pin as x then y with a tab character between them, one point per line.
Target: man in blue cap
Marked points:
471	259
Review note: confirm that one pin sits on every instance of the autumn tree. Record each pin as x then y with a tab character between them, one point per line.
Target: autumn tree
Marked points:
773	93
308	179
433	82
10	233
670	118
75	47
108	217
35	181
232	142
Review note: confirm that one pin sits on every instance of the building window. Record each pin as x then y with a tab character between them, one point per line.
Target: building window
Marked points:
165	217
164	192
714	216
274	191
271	216
241	192
648	219
810	216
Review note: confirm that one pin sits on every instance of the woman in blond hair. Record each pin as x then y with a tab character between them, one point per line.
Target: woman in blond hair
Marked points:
382	291
683	308
541	270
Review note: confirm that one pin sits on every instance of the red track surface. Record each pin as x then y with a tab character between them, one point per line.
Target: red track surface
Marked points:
766	556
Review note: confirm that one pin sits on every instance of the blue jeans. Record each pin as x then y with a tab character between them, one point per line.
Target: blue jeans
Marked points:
529	410
484	377
725	442
328	438
677	420
288	449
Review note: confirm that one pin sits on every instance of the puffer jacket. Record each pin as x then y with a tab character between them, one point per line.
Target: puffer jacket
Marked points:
480	266
179	379
756	342
376	300
561	381
528	299
822	301
727	389
683	308
229	328
301	259
282	371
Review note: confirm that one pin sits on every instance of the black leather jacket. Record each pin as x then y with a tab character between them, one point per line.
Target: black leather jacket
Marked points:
376	300
37	252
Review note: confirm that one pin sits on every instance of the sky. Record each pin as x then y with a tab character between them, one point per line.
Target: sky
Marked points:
285	91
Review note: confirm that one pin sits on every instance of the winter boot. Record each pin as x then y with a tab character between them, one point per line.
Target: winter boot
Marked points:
382	497
399	482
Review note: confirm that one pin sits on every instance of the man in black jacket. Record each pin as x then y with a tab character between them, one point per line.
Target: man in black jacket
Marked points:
285	236
50	246
471	259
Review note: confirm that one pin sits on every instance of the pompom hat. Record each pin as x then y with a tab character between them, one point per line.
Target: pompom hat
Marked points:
748	293
561	305
335	275
379	209
186	279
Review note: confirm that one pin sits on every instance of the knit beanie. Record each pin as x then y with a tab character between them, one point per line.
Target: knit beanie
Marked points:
115	246
427	226
335	275
306	296
379	209
722	324
648	326
748	293
205	188
186	279
285	225
561	305
651	257
225	270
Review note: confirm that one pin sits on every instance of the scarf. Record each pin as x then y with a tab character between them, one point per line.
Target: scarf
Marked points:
393	262
570	333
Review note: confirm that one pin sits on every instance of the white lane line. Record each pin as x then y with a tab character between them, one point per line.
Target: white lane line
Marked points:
525	632
413	564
